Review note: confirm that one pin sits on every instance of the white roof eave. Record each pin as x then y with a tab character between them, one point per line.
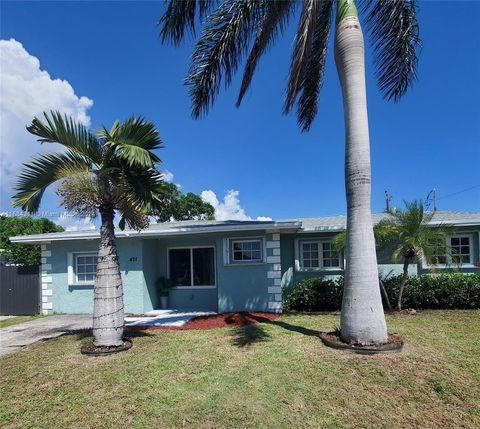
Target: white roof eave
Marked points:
95	234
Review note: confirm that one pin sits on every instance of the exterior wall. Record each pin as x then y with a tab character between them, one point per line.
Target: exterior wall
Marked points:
190	298
385	265
151	300
249	287
288	243
475	233
238	288
71	298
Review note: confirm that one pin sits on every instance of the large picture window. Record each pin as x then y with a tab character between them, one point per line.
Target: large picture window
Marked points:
85	267
317	255
192	266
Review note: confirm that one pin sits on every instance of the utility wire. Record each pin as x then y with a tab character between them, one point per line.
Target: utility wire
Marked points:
459	192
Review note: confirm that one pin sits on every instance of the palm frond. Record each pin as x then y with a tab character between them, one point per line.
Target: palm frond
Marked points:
180	18
43	171
303	42
276	16
393	27
141	188
67	132
133	141
339	241
315	68
220	48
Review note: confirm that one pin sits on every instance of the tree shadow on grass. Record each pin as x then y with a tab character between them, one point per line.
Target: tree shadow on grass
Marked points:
246	335
288	326
87	333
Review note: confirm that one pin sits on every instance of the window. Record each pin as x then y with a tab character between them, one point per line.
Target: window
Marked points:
310	256
316	255
331	258
460	251
85	267
457	250
192	266
246	251
439	256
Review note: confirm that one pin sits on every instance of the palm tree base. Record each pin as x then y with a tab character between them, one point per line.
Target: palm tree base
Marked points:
92	350
394	344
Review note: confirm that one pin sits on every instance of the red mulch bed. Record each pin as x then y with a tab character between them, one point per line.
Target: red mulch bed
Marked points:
223	320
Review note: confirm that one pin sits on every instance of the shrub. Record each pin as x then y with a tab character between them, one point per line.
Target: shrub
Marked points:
438	291
449	290
315	294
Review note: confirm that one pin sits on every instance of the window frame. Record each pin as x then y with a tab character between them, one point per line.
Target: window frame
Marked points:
233	261
192	285
450	263
470	250
77	255
228	251
299	264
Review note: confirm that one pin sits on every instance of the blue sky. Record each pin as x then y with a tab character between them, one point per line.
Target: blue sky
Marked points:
110	53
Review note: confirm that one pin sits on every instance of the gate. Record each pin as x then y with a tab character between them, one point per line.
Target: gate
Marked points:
19	290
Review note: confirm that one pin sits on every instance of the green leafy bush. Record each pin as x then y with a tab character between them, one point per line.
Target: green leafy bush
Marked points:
315	294
440	291
449	290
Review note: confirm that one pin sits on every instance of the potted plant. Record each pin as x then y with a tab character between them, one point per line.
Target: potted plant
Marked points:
163	286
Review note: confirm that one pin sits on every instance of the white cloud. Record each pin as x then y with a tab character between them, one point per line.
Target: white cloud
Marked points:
72	223
27	91
167	176
230	208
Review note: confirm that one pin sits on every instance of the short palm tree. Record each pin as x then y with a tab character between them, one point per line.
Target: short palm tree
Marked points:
408	237
113	171
234	29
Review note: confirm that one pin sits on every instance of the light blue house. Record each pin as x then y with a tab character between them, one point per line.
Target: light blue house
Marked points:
220	266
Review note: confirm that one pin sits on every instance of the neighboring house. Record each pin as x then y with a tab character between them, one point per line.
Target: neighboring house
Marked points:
220	266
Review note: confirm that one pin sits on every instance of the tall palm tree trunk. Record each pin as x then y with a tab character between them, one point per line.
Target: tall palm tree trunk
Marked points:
403	283
362	320
108	313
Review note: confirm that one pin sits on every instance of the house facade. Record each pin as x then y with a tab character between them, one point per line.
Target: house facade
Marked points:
221	266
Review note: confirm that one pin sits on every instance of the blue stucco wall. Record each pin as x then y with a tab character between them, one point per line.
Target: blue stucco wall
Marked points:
151	300
238	287
79	298
245	287
385	266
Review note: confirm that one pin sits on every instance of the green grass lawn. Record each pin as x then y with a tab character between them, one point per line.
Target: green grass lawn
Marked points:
18	319
275	375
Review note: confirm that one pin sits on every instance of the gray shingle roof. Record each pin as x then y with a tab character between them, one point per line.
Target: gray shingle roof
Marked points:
327	223
339	223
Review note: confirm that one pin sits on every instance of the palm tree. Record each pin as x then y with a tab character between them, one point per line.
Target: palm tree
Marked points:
237	28
106	173
408	236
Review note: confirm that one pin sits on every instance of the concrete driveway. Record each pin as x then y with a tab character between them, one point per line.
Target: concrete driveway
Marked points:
13	338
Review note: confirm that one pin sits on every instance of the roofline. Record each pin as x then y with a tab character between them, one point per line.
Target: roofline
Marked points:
470	222
95	234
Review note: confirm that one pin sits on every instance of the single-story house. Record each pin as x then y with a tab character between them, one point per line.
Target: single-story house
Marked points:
220	266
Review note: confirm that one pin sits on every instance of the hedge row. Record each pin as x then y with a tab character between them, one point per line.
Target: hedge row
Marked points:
441	291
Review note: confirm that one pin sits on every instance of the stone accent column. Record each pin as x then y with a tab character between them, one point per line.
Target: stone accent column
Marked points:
274	273
46	280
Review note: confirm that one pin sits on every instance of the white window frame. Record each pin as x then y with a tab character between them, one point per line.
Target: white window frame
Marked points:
192	286
450	263
470	250
299	256
72	268
228	252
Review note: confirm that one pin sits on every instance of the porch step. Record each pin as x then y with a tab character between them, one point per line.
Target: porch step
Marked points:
165	318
